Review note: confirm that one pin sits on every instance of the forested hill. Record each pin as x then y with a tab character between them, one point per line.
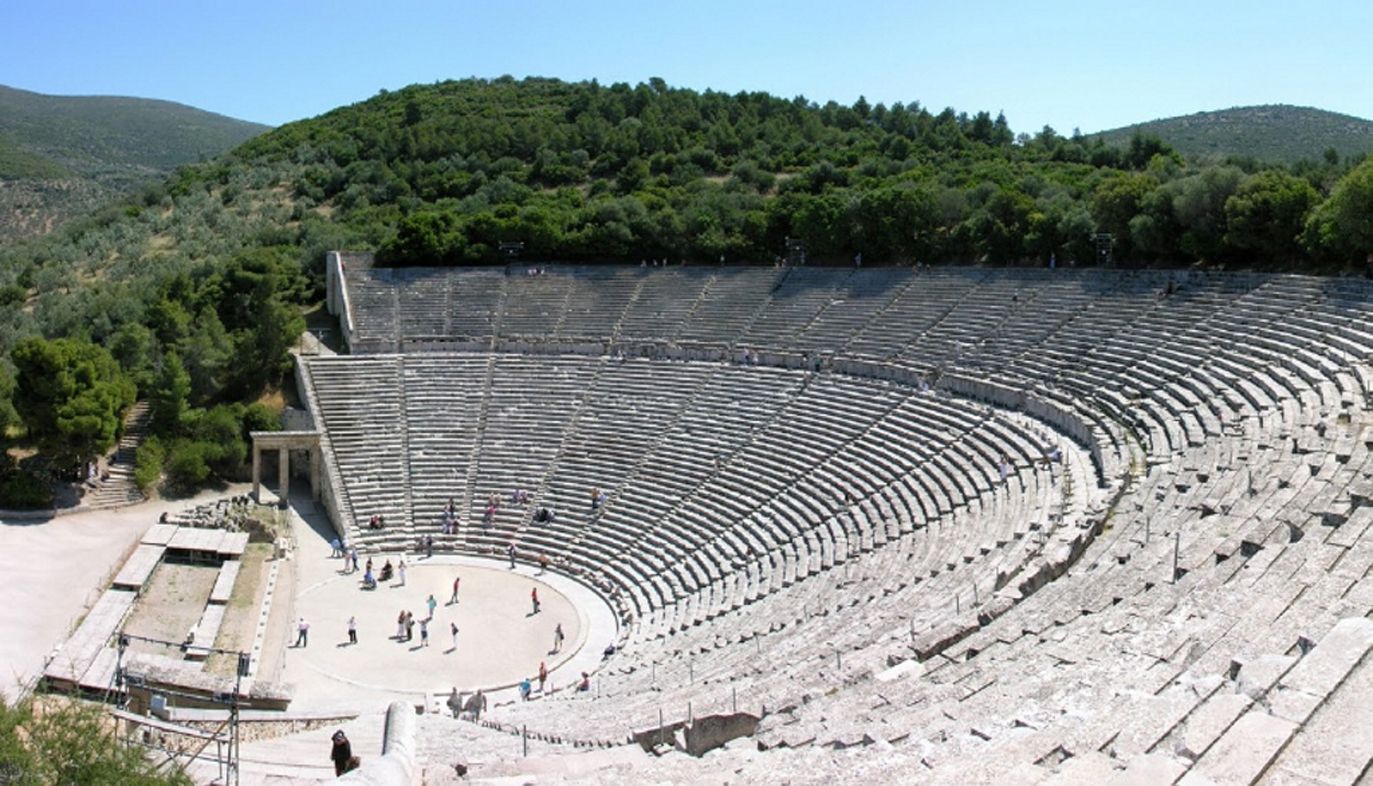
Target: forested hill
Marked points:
192	291
63	155
89	132
443	173
1277	133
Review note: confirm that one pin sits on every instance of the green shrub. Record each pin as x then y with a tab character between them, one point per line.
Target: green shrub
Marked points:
70	743
148	463
188	466
219	431
23	490
257	417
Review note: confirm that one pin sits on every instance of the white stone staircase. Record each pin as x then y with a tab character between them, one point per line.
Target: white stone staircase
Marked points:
119	488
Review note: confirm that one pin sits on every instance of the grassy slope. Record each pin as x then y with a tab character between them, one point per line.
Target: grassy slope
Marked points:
112	131
62	156
1277	133
16	163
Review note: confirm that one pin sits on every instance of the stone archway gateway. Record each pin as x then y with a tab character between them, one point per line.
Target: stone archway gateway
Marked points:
284	442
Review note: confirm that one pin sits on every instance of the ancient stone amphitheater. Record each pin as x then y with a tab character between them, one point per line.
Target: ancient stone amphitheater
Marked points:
941	525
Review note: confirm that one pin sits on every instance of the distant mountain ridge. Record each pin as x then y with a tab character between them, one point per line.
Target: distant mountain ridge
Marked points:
1277	133
79	131
63	155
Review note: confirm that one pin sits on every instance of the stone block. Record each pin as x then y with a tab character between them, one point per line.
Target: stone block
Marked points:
1242	754
1308	684
1208	722
1148	770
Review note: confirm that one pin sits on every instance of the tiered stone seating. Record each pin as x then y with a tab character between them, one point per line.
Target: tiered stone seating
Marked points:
359	404
827	534
823	467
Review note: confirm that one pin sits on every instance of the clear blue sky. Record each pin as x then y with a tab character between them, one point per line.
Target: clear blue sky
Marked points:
1091	65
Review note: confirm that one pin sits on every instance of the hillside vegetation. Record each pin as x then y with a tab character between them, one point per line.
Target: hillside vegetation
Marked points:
62	156
194	287
91	132
1276	133
17	163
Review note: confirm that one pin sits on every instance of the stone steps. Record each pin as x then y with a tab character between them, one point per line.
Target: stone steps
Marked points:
119	489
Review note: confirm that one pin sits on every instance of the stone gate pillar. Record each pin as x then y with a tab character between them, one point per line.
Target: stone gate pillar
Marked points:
284	473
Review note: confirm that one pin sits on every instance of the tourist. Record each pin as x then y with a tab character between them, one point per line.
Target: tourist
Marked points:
476	703
429	546
401	570
543	562
510	551
400	625
543	675
409	626
342	753
595	498
455	702
558	637
369	564
353	555
432	604
457	580
424	633
453	631
585	683
525	689
1004	468
534	599
352	630
302	633
387	571
369	582
336	548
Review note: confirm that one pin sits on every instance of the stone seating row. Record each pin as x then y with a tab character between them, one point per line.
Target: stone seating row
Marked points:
1098	601
699	523
1261	616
